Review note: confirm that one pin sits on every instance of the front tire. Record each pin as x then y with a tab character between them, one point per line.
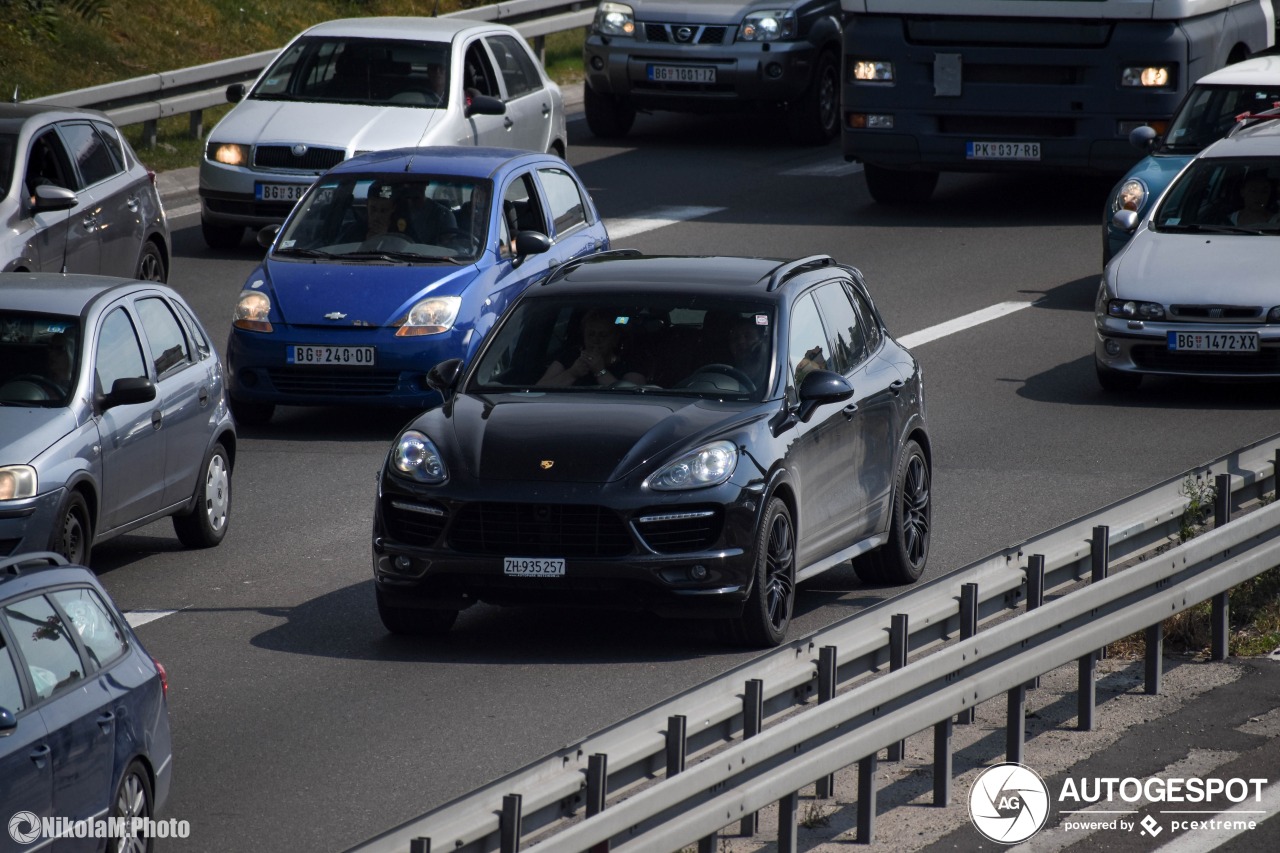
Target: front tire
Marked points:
767	614
221	236
607	117
414	622
898	186
73	532
902	559
133	801
151	264
815	118
206	524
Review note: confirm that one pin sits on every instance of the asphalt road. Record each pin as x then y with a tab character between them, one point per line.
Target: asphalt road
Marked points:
299	724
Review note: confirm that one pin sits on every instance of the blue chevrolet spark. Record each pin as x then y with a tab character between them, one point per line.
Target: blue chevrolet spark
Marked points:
393	262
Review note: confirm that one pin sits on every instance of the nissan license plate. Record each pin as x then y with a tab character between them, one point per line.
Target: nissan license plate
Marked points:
1206	341
533	567
1002	150
279	192
681	74
352	356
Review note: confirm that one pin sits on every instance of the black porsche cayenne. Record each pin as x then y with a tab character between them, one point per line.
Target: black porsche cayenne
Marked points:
684	435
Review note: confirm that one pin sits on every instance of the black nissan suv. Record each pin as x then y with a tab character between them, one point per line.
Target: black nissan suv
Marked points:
703	57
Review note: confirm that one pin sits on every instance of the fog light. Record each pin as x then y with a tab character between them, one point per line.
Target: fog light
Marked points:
698	573
773	70
597	63
403	563
1112	347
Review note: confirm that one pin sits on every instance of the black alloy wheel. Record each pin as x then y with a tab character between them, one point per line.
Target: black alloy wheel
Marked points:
151	264
815	118
902	559
767	613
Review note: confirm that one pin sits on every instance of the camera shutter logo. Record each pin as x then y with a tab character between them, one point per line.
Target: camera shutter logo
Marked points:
1009	803
24	827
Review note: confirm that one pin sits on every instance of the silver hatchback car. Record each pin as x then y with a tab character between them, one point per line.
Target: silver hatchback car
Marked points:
352	86
112	415
74	198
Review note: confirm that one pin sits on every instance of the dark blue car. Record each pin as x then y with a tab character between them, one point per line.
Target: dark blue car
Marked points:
393	262
84	714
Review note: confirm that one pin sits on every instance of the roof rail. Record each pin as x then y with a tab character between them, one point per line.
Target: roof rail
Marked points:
13	565
573	263
792	268
1246	119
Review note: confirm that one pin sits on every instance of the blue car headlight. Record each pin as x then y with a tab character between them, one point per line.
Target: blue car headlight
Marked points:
417	457
431	316
1131	196
709	465
17	482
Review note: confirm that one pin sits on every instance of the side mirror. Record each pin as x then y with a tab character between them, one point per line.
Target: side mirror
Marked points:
134	389
483	105
267	235
445	375
235	93
1143	138
820	387
49	197
531	243
8	722
1125	220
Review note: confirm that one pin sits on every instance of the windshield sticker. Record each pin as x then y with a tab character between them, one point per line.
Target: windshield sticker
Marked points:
621	321
1173	220
287	244
762	319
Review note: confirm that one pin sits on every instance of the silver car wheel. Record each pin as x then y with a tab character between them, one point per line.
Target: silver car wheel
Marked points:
217	491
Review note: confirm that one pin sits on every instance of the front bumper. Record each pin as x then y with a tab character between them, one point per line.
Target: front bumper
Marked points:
1142	347
228	194
748	75
444	547
27	525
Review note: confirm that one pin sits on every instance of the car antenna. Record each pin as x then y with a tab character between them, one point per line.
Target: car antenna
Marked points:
15	92
435	10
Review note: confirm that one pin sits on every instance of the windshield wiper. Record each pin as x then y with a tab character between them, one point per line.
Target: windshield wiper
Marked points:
408	257
303	253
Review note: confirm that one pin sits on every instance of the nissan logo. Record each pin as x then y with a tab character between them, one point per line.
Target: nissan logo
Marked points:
299	150
684	34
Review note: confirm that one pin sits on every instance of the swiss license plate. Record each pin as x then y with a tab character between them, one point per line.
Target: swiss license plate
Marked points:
1002	150
533	567
1205	341
681	74
279	192
353	356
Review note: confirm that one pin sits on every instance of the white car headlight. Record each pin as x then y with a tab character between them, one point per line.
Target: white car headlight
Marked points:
768	25
430	316
228	153
17	482
417	457
252	309
1131	196
615	19
709	465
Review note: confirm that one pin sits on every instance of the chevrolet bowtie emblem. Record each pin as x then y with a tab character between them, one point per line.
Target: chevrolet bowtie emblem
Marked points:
546	464
334	315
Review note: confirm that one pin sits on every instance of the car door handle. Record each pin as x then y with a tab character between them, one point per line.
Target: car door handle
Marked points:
849	411
40	755
105	720
156	418
89	222
546	111
132	203
507	122
897	386
204	396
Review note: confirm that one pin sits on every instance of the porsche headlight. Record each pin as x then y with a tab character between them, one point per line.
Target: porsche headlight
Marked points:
1129	309
430	316
1131	196
228	153
768	25
615	19
417	457
252	309
17	482
709	465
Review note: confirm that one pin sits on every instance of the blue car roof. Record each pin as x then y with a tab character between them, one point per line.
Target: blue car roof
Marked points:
449	159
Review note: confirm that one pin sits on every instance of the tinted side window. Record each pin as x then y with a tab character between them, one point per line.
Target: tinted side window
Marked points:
845	339
90	153
43	640
10	688
193	329
806	347
567	208
119	354
164	335
48	164
518	71
111	137
91	619
869	322
477	71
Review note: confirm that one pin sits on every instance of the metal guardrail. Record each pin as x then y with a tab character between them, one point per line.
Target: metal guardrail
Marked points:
726	716
144	100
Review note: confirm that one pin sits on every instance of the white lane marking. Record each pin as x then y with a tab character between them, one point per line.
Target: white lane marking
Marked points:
824	170
1200	841
137	618
179	212
621	229
959	324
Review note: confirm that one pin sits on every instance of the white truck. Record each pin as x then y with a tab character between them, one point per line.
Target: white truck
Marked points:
932	86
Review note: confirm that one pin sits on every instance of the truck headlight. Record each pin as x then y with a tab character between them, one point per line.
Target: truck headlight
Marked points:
1147	76
872	71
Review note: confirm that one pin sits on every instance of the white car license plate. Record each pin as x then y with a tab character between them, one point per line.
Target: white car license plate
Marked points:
1206	341
1002	150
353	356
533	567
681	74
279	192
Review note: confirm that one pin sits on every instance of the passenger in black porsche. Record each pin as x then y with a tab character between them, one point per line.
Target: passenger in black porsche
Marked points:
598	361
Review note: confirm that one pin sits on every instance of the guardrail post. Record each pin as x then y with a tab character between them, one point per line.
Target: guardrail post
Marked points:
1221	499
195	124
968	627
597	792
540	48
787	824
1221	616
1154	658
942	763
752	722
1035	593
1015	729
1100	551
897	660
420	845
509	823
826	786
866	799
675	744
149	133
1086	692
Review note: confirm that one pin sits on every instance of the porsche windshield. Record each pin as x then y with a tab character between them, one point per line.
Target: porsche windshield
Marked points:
1223	196
660	343
396	217
359	71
